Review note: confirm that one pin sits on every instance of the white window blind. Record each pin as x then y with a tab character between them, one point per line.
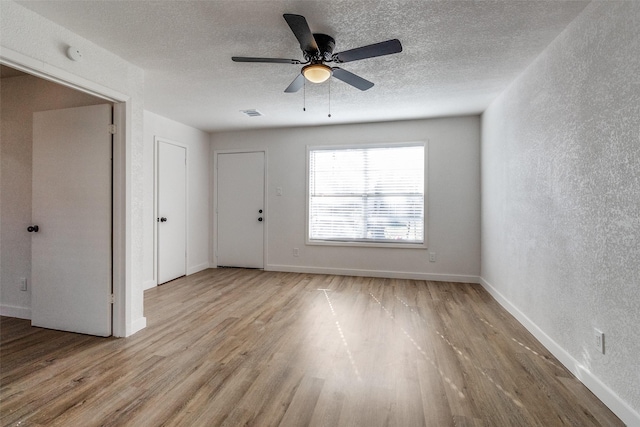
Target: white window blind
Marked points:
367	194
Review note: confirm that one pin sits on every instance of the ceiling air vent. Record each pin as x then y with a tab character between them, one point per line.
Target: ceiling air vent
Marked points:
252	113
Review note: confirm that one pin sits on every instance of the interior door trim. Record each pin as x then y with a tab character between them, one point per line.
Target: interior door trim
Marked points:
123	323
214	217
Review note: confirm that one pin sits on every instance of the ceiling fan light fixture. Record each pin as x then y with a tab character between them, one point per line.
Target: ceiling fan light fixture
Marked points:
316	73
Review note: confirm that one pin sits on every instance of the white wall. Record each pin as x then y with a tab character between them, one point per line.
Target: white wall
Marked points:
561	200
20	97
198	192
40	44
453	198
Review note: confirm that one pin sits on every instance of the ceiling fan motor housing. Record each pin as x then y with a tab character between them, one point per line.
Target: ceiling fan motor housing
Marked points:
325	46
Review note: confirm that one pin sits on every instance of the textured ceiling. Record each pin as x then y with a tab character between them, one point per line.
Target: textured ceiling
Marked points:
458	55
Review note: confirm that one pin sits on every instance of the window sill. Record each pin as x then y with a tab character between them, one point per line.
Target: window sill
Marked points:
349	243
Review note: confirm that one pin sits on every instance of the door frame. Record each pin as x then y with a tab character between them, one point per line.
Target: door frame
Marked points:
214	228
121	179
156	141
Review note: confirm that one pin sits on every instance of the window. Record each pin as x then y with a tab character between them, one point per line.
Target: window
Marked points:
367	195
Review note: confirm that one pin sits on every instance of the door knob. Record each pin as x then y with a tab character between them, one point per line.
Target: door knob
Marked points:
33	229
163	219
260	219
260	211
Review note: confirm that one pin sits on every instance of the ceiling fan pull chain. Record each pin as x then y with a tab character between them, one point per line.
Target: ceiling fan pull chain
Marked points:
304	96
329	98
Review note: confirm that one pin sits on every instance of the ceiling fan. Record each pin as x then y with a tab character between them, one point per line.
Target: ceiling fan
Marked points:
317	50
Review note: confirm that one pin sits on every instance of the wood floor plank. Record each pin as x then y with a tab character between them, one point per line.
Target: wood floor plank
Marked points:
247	347
328	407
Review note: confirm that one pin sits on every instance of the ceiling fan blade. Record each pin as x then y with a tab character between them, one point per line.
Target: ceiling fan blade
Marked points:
369	51
351	79
269	60
301	30
296	84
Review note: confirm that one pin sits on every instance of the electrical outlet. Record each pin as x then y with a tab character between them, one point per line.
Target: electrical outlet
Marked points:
599	336
23	283
296	252
432	257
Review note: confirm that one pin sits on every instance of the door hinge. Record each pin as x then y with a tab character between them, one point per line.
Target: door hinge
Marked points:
113	129
112	299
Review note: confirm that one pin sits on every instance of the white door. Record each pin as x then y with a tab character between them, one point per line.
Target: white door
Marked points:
172	211
240	210
71	251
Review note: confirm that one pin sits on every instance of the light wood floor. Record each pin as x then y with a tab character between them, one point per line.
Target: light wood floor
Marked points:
245	347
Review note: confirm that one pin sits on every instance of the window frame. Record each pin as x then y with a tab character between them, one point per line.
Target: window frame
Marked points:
361	243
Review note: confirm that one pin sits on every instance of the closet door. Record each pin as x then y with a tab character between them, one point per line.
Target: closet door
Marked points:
172	211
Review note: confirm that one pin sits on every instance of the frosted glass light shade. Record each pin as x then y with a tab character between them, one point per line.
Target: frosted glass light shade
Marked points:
316	73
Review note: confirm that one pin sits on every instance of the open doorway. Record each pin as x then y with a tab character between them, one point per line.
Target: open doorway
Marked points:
22	95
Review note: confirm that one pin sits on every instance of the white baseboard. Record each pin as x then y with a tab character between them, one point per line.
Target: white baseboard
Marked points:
14	311
458	278
618	406
148	284
197	268
137	325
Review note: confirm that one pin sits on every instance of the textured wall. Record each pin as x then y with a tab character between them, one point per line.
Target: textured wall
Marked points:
453	198
561	193
20	97
44	43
